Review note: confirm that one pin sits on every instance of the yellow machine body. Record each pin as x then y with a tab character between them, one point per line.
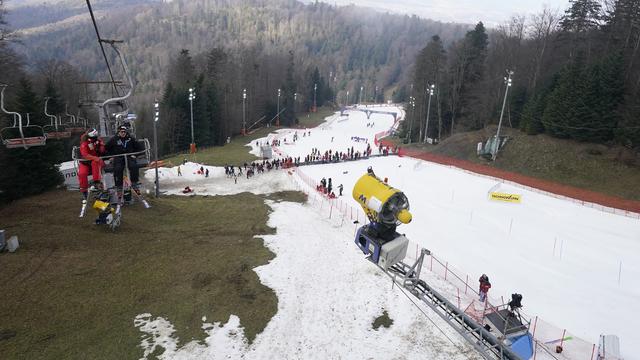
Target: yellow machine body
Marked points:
100	205
381	202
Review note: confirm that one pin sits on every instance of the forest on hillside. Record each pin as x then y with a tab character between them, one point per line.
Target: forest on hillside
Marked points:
575	75
337	49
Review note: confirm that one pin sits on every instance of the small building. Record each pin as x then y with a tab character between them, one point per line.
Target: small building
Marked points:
265	151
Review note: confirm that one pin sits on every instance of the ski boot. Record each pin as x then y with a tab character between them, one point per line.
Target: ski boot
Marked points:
96	186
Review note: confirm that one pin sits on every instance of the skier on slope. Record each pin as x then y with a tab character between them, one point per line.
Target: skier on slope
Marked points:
91	148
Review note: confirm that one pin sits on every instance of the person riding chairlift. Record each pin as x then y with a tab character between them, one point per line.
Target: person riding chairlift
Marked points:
91	148
120	144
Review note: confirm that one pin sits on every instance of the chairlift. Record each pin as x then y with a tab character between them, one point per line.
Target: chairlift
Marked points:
73	125
55	130
20	135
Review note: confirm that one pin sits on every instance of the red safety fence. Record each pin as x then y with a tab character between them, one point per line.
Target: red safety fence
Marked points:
592	199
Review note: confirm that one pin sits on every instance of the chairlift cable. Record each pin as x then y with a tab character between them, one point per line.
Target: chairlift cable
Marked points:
428	318
104	54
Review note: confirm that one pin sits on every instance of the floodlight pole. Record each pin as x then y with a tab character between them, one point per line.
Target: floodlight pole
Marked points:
431	88
315	90
244	112
156	108
507	81
412	103
278	113
192	96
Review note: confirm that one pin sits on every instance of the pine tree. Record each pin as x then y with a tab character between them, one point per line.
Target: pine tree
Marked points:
472	86
582	16
561	110
531	120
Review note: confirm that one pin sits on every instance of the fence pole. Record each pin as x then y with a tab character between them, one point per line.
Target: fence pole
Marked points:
466	285
562	338
535	323
510	226
593	352
331	210
458	297
619	272
446	270
431	264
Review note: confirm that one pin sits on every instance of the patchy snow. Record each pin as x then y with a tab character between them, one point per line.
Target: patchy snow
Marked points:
217	183
328	298
564	258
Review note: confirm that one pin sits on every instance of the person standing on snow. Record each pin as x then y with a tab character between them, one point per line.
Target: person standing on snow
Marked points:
91	148
340	187
121	144
485	285
179	171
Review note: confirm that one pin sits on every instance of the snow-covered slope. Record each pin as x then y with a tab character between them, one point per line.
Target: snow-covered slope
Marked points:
564	258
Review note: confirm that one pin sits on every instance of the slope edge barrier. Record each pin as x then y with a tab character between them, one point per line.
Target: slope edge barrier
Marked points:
592	199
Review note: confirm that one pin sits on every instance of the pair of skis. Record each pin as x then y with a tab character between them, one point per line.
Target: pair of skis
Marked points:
136	191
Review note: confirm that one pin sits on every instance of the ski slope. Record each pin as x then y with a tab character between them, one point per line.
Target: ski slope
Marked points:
577	267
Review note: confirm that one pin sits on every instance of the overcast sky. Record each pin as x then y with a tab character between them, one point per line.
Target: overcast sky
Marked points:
491	12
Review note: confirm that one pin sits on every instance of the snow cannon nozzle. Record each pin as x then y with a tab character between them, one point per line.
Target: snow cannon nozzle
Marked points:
382	203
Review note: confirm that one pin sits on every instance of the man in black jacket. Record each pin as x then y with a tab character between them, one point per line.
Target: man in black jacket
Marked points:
123	143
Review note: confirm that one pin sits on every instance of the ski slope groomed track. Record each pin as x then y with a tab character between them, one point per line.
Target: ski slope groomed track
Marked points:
577	268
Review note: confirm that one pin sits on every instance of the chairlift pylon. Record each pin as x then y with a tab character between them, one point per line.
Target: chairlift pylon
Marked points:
20	135
55	130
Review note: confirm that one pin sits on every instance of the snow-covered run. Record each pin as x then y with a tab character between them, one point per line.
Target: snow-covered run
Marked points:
578	268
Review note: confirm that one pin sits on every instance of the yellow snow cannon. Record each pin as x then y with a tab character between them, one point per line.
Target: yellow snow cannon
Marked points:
386	208
381	202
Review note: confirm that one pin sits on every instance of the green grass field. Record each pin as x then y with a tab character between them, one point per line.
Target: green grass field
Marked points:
73	289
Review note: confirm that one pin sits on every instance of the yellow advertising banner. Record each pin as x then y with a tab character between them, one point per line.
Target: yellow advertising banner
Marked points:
512	198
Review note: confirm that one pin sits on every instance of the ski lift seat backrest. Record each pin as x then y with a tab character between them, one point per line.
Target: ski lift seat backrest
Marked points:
145	158
26	142
57	135
56	132
31	136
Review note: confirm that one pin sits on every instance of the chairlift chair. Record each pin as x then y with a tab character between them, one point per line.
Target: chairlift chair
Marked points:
55	130
73	125
20	135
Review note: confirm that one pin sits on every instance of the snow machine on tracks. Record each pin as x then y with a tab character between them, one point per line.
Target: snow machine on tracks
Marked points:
386	208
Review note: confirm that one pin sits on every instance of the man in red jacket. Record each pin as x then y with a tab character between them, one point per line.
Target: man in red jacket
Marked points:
91	148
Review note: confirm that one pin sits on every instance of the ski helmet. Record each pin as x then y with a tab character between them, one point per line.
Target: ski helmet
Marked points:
93	133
